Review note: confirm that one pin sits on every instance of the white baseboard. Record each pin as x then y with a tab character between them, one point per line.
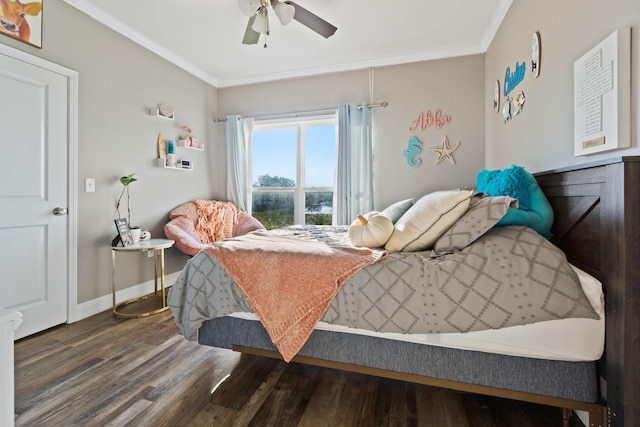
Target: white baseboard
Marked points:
104	303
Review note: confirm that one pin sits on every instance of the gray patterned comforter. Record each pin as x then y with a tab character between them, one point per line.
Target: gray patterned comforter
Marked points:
510	276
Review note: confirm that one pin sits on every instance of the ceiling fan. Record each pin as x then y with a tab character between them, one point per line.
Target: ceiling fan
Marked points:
285	11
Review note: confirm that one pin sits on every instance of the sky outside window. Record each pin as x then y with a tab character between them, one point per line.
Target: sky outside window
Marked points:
320	156
274	153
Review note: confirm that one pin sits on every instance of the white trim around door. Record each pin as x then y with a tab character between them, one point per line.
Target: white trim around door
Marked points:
72	173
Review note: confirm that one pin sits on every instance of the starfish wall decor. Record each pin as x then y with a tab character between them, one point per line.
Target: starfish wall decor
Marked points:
445	151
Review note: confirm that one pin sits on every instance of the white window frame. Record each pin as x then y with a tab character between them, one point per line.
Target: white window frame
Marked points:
299	123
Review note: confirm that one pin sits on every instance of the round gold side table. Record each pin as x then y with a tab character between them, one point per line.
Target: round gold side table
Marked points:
157	246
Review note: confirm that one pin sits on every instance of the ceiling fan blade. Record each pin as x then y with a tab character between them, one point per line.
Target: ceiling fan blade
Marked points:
250	35
312	21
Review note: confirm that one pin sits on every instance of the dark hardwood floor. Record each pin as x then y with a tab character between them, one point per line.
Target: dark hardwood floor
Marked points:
104	371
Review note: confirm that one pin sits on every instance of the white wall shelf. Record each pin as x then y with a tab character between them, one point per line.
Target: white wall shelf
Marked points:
164	111
162	163
187	144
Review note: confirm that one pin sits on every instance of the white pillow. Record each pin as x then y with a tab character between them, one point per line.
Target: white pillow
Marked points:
425	221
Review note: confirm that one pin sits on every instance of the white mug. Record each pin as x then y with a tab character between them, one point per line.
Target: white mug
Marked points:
135	233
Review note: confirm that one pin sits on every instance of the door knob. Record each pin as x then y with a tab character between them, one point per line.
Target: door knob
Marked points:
60	211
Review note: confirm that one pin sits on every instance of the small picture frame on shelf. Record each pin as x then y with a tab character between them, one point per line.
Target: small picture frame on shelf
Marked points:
124	234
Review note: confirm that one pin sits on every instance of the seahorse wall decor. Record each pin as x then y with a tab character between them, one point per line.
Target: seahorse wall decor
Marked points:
414	148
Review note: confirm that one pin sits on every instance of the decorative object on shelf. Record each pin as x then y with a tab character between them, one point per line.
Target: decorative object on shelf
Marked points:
445	151
145	235
187	131
171	153
162	146
124	233
258	13
496	96
22	21
425	120
414	148
536	54
188	140
165	111
517	103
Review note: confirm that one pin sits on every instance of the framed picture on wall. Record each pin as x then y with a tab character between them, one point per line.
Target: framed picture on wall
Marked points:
22	21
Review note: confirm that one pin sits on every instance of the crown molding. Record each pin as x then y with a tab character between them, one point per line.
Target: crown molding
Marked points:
352	66
116	25
498	17
221	82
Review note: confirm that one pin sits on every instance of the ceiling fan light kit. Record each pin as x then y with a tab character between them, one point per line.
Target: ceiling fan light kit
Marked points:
285	11
261	23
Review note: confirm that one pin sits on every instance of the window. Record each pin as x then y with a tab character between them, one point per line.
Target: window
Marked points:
293	165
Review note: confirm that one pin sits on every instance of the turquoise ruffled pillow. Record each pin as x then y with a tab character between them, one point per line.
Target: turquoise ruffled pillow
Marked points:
534	209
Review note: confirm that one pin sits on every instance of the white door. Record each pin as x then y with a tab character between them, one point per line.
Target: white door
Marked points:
33	183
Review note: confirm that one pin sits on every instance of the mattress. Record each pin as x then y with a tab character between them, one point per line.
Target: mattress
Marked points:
566	339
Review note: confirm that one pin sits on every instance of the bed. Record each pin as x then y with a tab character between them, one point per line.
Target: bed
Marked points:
596	227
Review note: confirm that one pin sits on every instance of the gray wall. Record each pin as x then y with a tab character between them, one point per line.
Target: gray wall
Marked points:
118	82
541	137
454	86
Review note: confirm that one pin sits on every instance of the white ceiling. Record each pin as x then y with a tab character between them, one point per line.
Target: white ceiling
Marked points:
204	37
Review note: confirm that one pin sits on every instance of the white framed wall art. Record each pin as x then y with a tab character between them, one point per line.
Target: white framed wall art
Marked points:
602	96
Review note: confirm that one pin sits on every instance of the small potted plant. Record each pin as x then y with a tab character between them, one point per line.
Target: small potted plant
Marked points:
125	181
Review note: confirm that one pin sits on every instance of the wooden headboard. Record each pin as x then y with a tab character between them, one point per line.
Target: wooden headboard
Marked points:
597	224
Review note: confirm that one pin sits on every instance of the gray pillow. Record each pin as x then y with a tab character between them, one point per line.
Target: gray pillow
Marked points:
484	212
396	210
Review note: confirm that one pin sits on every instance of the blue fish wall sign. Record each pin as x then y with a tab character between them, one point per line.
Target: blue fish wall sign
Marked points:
414	148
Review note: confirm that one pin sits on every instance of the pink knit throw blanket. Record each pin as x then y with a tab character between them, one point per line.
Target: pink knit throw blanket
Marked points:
215	220
289	282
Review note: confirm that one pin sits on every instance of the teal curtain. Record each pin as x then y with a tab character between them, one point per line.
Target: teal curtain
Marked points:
237	161
354	193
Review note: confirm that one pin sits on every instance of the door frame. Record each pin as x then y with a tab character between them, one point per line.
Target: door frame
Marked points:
72	167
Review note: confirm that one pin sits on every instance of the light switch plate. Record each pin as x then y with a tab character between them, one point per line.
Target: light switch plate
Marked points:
89	185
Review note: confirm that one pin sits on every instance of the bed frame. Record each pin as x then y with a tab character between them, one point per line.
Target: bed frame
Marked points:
596	208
